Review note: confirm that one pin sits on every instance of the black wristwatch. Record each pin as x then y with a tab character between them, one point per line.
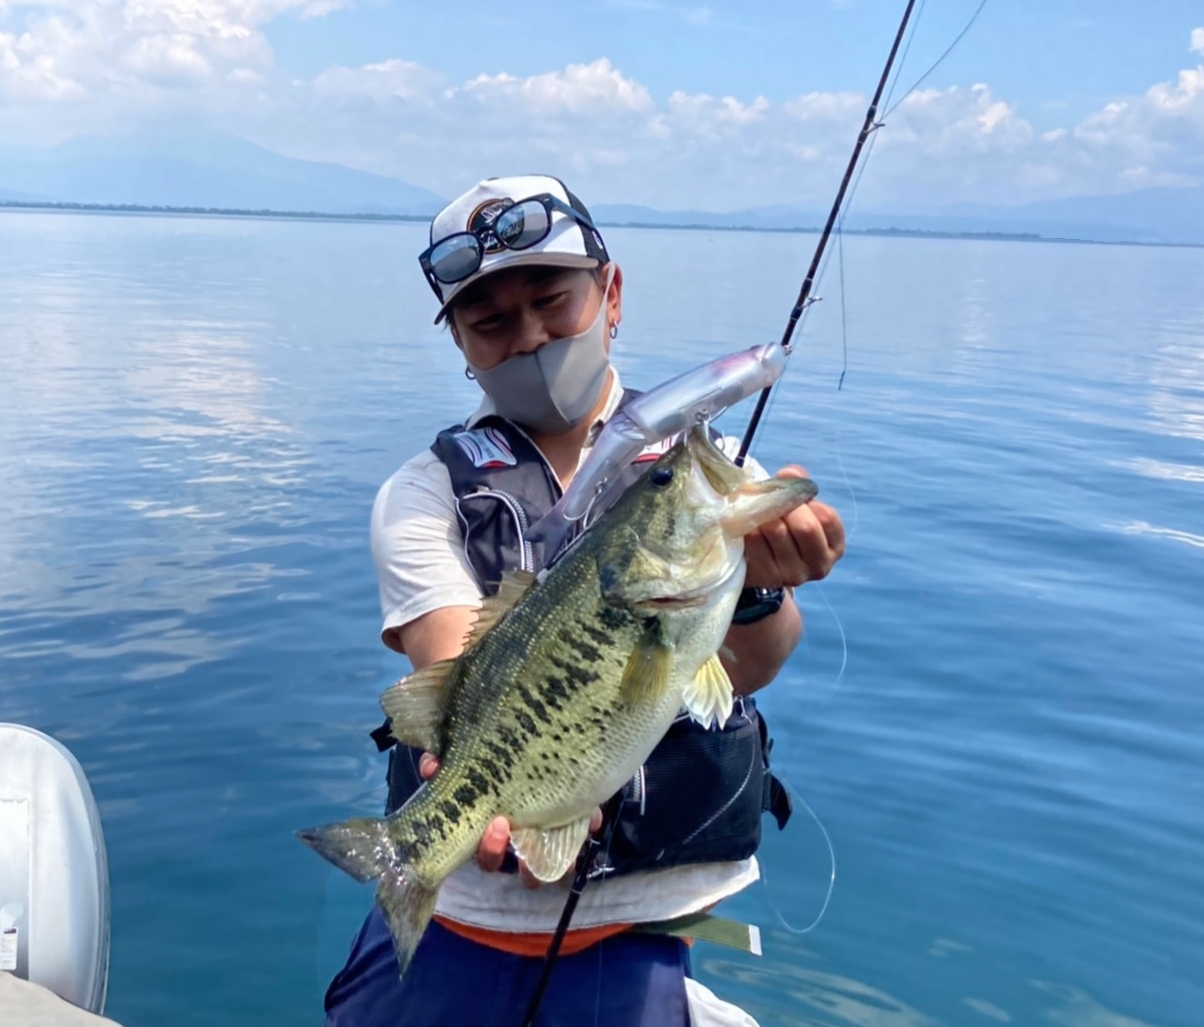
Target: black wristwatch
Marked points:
758	603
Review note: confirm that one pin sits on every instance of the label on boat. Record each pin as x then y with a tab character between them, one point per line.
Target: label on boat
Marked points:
8	949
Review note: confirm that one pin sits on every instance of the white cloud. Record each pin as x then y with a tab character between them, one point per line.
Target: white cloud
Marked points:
85	65
825	106
597	89
1153	138
104	64
393	79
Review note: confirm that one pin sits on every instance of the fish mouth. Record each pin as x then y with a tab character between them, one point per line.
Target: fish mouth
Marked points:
686	600
720	472
663	604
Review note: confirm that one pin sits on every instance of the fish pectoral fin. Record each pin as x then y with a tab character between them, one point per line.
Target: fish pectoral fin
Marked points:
415	706
550	852
648	669
708	698
515	585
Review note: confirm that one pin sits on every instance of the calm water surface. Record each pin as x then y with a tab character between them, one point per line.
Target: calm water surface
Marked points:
194	418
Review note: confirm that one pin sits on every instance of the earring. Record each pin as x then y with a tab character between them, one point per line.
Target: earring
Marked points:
468	374
614	331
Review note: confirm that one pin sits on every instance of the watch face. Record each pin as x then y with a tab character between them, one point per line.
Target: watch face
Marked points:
757	604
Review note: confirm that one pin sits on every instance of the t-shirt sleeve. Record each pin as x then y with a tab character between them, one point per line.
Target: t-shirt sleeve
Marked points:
417	545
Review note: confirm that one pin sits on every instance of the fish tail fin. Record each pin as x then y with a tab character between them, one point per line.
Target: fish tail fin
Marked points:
408	903
361	847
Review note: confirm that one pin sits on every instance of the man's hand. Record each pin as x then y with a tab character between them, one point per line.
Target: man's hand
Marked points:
802	546
496	838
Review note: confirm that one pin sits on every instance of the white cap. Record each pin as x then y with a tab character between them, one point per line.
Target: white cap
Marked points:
568	244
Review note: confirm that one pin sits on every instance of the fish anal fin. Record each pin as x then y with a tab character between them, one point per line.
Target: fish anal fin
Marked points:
550	852
514	585
648	669
407	903
415	706
708	698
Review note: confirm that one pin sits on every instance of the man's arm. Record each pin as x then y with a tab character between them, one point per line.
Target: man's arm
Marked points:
802	546
438	635
752	654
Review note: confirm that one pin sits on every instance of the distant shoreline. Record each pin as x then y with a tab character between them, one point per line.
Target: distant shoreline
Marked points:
306	215
218	212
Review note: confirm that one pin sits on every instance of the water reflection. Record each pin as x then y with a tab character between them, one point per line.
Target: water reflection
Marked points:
1162	470
195	416
1145	528
1076	1008
1177	382
804	997
988	1009
159	426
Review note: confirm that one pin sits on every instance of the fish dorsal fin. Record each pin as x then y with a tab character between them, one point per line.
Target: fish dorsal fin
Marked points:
708	698
415	704
649	666
514	585
549	852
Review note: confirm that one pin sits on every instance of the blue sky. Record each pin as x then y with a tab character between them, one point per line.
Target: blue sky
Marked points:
712	104
1068	56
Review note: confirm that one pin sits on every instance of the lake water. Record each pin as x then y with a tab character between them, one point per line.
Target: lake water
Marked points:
195	415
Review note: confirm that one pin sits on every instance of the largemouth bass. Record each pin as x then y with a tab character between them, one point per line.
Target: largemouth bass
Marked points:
567	684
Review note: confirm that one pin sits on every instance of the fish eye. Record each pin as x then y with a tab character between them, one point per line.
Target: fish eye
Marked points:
661	477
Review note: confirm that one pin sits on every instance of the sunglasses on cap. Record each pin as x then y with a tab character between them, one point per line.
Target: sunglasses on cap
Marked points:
518	226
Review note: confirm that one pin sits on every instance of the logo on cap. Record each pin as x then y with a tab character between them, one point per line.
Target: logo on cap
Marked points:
481	221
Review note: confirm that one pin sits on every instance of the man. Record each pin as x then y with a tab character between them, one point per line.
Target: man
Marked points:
532	300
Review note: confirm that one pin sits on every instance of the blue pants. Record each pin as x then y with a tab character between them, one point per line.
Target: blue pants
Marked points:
629	980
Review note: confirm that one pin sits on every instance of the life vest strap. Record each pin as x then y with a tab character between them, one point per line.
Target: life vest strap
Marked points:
706	926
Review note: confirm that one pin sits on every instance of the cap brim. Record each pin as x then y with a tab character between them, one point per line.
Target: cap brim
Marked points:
515	259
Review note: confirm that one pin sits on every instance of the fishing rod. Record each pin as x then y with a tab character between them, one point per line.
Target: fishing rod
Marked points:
804	295
592	845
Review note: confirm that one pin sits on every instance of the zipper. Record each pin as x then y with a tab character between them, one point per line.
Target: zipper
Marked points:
526	551
639	788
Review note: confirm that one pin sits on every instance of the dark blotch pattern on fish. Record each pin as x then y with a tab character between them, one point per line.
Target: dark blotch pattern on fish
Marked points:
613	618
533	703
599	636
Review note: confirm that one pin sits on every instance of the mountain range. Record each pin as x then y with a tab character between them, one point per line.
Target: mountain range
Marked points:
202	171
1156	215
225	172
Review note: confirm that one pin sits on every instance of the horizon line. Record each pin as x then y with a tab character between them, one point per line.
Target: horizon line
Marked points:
300	215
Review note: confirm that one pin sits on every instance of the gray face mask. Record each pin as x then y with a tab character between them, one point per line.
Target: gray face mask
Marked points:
554	388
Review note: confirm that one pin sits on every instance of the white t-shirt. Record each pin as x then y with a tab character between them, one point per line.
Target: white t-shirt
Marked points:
421	566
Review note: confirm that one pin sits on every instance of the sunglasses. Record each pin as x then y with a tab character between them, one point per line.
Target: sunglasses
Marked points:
519	226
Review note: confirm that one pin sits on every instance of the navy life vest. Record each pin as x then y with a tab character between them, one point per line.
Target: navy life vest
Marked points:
699	796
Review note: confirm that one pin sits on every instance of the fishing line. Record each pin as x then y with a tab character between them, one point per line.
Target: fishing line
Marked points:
903	60
948	50
844	321
849	532
823	909
598	997
869	128
804	294
844	641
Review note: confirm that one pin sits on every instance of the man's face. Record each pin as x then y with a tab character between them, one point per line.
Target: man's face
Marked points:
519	309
